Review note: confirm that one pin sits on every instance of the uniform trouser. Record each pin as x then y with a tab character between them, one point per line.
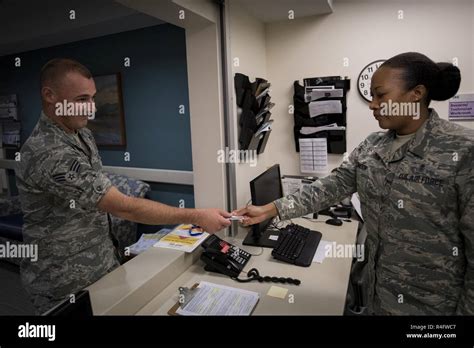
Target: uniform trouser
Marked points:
43	303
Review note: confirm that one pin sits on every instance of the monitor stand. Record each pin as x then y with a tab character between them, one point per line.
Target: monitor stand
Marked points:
262	239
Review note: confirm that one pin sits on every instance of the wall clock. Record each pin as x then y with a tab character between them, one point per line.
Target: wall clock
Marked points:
365	76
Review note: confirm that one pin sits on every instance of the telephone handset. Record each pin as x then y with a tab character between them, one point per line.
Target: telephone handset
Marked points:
222	257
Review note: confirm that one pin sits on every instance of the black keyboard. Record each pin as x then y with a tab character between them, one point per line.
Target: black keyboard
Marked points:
297	245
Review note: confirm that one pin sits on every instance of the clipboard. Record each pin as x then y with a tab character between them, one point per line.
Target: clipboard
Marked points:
172	310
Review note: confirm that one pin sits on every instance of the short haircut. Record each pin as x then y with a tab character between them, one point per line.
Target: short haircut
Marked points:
57	68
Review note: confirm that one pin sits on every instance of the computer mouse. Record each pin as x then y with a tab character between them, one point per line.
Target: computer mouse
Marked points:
334	222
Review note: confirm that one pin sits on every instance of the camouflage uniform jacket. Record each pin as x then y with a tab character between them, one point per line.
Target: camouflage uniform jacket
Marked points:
418	208
60	182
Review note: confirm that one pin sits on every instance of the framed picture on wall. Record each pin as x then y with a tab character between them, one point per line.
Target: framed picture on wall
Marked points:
108	125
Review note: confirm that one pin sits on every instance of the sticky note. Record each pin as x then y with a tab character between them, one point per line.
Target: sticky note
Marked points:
276	291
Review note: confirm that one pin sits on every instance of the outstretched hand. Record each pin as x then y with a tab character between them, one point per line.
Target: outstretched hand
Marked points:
254	214
213	220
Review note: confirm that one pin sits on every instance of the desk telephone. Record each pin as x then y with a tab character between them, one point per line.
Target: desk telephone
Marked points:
222	257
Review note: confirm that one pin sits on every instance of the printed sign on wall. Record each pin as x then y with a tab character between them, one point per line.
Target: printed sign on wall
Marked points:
461	107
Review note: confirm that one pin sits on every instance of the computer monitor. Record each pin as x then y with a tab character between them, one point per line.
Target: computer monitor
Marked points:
265	189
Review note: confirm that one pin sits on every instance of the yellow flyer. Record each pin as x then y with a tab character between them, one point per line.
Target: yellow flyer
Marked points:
184	237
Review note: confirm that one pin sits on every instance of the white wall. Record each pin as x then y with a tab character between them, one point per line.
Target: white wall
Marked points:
362	31
248	45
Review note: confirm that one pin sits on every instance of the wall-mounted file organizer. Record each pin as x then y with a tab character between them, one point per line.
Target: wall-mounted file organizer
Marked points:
320	107
254	102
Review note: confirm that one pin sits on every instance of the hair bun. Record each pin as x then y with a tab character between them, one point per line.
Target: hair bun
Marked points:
447	82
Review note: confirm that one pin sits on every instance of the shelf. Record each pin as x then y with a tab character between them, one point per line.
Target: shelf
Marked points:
269	11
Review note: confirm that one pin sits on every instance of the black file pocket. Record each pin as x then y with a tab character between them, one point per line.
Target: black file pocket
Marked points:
318	121
258	142
253	100
248	127
264	118
302	113
242	84
263	142
336	139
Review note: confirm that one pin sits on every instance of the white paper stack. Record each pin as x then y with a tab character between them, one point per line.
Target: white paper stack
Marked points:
216	299
318	108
